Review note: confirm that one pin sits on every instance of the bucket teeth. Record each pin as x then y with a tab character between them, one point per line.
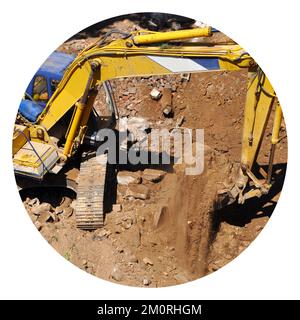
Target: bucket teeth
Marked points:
90	193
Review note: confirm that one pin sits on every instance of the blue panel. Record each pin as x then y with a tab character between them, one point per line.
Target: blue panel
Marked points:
30	110
56	63
208	63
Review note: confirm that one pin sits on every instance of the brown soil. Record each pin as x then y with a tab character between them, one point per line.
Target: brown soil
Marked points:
190	239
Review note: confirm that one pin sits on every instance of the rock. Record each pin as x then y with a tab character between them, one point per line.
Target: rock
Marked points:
167	111
146	281
68	212
65	202
130	107
38	225
185	76
155	94
117	207
125	178
127	222
73	204
209	90
116	274
134	236
132	90
34	202
158	216
190	223
148	261
179	121
101	234
118	229
59	210
54	217
84	263
44	217
138	126
153	175
181	278
38	209
138	192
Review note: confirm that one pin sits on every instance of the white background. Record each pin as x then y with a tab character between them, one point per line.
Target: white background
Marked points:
30	268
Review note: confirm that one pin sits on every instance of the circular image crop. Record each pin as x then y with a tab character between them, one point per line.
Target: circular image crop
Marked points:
149	149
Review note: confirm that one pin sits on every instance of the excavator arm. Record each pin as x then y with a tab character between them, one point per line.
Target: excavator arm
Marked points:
133	56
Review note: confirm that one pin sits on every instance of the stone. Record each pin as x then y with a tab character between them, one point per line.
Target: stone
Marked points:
65	202
118	229
54	217
34	202
209	90
155	94
137	126
134	236
179	122
146	281
174	87
185	76
117	207
101	234
73	204
153	175
38	225
132	90
59	210
116	274
127	223
68	212
190	223
125	178
148	261
181	277
158	216
44	217
138	192
84	263
167	111
38	209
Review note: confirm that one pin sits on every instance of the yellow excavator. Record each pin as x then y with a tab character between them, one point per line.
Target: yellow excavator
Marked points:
44	145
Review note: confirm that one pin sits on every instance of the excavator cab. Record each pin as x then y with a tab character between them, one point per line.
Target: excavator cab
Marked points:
43	84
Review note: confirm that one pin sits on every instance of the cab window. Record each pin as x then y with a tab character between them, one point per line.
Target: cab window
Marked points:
40	92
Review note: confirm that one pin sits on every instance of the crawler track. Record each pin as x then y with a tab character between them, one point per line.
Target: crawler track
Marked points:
90	193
